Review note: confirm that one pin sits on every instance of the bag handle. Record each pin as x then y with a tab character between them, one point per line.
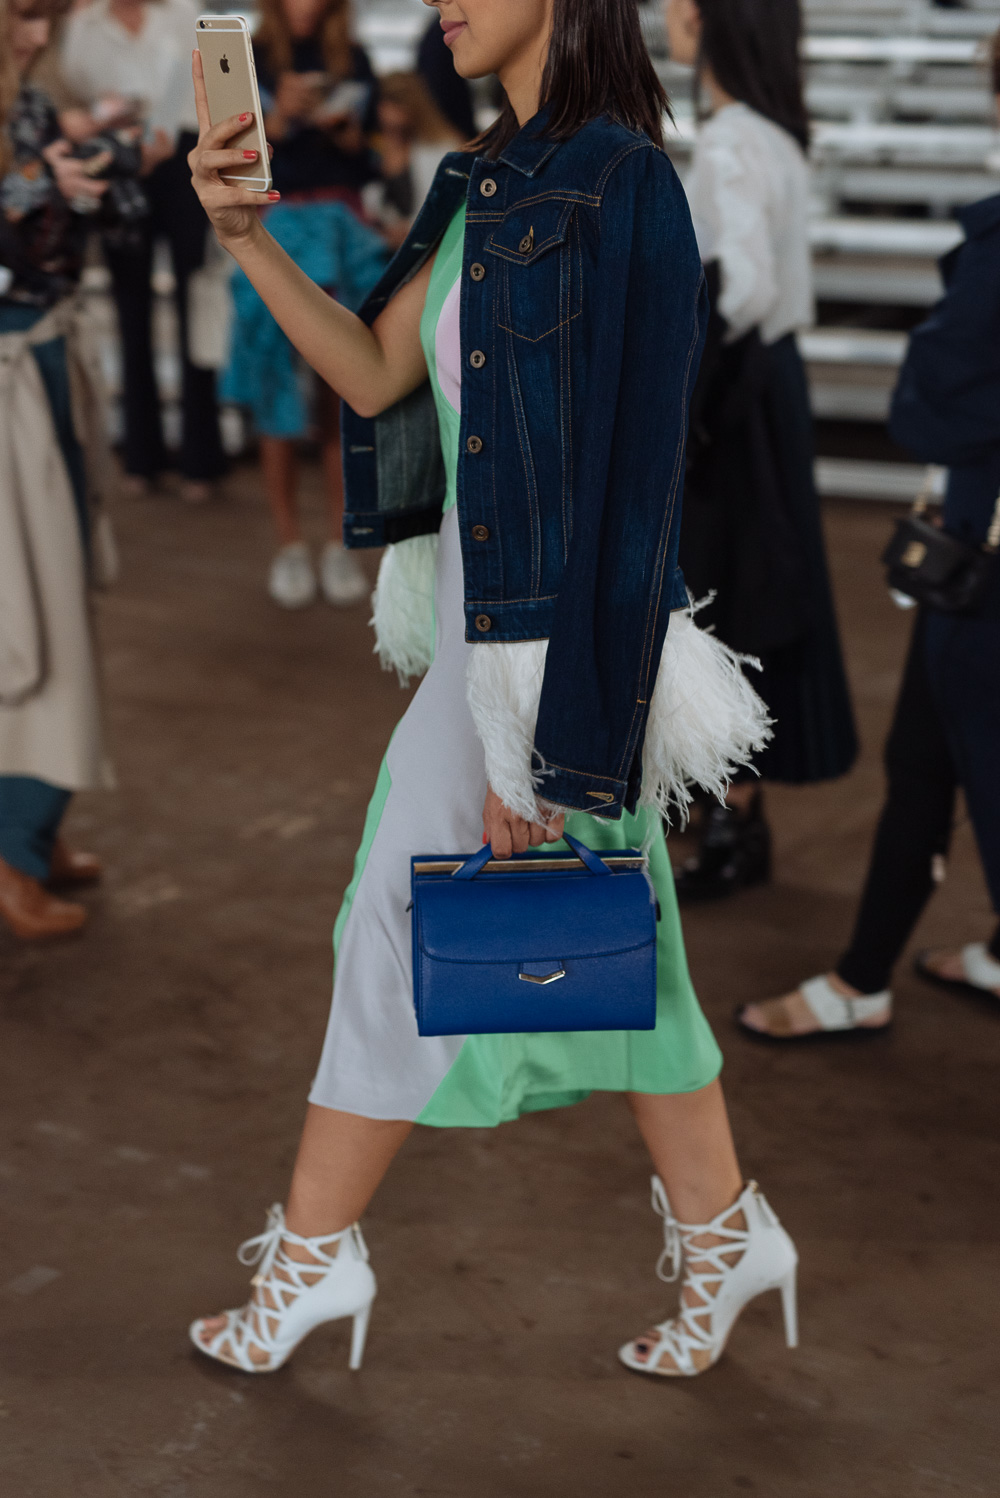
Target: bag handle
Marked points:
475	865
933	486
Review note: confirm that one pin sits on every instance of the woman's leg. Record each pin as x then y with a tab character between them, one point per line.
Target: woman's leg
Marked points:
913	833
341	1161
342	579
131	267
280	466
691	1145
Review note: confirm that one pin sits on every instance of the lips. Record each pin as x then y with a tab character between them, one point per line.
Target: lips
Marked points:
452	30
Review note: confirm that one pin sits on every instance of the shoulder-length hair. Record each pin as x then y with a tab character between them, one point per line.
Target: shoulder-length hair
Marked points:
753	50
274	36
597	65
10	78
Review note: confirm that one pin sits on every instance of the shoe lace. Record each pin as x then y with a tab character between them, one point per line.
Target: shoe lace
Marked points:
688	1331
267	1251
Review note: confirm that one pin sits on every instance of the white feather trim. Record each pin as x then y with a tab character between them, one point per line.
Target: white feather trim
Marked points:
504	685
403	607
705	718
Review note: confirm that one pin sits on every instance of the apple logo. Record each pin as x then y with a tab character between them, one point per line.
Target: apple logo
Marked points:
224	63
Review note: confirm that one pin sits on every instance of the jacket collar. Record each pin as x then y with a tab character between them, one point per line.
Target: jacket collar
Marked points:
531	147
980	218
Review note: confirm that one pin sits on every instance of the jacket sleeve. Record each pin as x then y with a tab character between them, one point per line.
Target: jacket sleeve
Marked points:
946	408
645	327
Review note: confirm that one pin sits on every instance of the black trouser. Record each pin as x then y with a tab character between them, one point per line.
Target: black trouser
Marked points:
176	216
945	733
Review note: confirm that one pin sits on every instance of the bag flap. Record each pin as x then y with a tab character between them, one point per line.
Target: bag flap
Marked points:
920	548
533	917
530	231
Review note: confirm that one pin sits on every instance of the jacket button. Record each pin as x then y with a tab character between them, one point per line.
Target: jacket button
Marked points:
474	444
477	271
487	187
480	533
477	358
484	623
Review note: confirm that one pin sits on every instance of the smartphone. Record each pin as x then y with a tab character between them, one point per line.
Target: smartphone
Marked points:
349	97
231	86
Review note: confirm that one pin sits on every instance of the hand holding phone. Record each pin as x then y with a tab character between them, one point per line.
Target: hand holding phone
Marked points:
216	166
230	86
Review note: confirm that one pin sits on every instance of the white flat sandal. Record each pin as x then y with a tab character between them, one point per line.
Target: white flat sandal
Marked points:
345	1287
835	1015
981	971
765	1259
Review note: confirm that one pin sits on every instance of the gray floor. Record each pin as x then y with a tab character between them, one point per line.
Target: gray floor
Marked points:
154	1077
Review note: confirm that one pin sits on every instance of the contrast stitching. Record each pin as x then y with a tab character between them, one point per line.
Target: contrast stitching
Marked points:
504	603
554	329
584	774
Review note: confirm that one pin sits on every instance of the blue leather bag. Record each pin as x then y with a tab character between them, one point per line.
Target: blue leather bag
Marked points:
543	941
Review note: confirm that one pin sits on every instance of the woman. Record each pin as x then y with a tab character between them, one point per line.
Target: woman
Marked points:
532	290
413	136
752	533
318	95
947	722
50	719
127	60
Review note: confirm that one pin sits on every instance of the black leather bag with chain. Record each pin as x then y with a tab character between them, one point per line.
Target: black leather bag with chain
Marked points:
938	570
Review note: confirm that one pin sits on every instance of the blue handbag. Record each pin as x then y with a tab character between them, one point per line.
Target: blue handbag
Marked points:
543	941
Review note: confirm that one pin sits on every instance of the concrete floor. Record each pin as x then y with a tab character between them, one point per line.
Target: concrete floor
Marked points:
154	1080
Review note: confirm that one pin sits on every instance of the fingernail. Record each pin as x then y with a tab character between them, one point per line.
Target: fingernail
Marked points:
274	196
249	155
244	118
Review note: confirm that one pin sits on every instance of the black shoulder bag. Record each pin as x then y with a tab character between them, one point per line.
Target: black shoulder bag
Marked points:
935	569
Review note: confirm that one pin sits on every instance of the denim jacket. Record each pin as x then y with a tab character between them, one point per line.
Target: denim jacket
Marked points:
582	317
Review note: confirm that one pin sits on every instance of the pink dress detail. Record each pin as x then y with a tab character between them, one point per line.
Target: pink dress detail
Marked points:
448	347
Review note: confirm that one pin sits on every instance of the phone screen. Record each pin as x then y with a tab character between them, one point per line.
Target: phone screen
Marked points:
231	86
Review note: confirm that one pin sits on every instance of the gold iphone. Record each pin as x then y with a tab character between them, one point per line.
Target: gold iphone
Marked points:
231	86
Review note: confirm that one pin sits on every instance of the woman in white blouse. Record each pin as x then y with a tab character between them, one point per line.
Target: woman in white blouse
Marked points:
751	531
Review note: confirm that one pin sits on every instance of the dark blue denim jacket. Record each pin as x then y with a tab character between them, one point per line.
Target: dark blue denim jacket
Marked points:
946	408
582	320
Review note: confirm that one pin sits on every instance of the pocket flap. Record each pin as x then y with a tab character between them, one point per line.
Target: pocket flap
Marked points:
530	231
534	918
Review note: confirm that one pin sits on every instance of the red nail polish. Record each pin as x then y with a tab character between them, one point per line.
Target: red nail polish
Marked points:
274	196
249	155
484	837
244	118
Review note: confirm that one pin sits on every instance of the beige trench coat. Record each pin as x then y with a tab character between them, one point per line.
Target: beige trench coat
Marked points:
50	702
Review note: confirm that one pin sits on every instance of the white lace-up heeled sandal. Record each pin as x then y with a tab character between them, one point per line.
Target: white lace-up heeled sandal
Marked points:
291	1298
746	1262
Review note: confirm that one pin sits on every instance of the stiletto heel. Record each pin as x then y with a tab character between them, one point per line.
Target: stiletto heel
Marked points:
359	1333
790	1309
293	1297
724	1275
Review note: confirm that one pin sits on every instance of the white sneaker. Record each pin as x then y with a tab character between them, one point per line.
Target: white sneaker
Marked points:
342	580
292	579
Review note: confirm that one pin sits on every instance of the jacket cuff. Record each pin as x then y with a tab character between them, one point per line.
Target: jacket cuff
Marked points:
576	790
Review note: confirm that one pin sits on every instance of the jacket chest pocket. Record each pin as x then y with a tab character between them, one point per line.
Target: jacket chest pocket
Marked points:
537	251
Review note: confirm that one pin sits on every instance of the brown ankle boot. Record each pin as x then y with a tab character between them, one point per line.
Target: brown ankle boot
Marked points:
70	866
31	912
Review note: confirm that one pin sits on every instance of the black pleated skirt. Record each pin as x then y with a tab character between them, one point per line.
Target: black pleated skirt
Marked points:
752	535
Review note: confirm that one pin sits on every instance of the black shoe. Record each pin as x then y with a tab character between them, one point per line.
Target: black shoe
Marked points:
734	853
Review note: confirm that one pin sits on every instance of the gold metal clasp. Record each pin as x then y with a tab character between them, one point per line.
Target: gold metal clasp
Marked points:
914	554
548	978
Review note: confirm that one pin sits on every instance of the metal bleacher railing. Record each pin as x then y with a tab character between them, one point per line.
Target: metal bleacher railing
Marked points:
905	132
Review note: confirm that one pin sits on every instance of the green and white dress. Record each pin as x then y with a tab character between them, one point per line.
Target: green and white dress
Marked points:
429	799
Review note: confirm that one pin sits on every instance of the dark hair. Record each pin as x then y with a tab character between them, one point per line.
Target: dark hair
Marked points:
597	64
752	47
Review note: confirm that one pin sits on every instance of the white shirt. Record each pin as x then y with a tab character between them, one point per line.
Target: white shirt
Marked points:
99	57
749	194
